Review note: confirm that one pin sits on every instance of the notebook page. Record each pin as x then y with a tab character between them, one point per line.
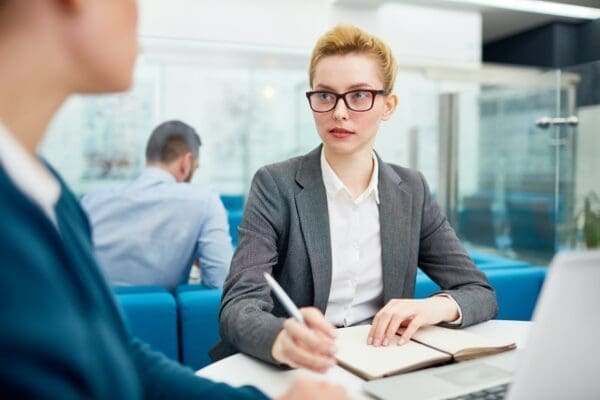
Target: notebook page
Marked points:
374	362
454	341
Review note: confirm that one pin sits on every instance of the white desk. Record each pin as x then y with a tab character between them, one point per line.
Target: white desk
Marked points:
241	369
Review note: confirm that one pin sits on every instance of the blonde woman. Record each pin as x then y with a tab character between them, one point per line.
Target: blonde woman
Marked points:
343	231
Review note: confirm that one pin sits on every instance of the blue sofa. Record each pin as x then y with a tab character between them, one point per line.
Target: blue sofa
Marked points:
198	322
184	326
150	313
234	205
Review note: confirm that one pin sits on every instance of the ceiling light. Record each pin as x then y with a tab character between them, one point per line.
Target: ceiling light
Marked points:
537	7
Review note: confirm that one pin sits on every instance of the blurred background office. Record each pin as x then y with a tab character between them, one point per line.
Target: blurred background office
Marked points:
499	106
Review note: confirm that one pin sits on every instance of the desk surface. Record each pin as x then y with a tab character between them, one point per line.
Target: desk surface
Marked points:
241	369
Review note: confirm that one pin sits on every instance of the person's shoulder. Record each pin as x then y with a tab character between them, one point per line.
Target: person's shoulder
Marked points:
284	168
191	192
101	196
285	172
407	175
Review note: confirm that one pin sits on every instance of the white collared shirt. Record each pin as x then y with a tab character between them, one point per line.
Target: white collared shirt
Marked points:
356	292
29	174
356	278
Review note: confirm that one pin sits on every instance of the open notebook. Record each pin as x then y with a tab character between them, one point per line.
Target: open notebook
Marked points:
429	346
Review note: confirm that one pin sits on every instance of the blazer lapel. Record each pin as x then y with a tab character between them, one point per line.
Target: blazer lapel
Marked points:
395	228
311	204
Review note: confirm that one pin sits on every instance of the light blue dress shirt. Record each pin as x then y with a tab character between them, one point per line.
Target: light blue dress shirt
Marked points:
149	232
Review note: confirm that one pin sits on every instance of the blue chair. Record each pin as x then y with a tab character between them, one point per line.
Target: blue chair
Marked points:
490	261
233	201
150	314
198	323
532	220
481	258
234	218
517	290
476	219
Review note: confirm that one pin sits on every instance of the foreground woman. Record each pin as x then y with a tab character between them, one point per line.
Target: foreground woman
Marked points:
61	334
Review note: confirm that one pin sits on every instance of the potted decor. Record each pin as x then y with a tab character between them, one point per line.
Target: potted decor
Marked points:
591	220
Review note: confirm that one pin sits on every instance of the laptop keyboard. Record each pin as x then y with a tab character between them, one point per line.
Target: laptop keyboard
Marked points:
492	393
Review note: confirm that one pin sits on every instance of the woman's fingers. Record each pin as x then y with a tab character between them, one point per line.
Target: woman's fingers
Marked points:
309	338
316	320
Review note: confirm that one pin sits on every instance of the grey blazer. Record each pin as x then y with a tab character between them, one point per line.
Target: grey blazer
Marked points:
285	231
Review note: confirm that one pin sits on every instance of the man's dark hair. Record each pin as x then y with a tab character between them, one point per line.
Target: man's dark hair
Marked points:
171	140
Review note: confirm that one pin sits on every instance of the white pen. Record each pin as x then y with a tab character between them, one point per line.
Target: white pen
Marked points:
284	299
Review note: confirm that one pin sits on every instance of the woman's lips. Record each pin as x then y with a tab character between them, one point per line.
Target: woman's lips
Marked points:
340	133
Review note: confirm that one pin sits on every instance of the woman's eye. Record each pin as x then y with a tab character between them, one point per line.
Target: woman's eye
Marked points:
325	96
360	95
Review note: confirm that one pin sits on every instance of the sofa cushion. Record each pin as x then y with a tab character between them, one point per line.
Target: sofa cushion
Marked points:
198	323
150	314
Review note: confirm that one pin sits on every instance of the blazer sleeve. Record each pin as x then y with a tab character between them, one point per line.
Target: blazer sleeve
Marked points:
443	258
245	316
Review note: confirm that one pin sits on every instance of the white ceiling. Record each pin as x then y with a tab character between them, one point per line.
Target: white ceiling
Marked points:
497	23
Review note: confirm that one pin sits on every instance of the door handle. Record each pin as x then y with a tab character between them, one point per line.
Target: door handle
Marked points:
547	122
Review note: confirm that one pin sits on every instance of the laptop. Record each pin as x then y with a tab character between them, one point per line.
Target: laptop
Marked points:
560	361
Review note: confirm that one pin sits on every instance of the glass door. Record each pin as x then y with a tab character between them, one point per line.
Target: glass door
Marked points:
516	196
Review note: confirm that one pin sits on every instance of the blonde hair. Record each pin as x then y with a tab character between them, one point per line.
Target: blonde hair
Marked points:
346	39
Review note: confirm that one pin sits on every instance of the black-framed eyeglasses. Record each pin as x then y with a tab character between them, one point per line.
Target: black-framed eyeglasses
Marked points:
356	100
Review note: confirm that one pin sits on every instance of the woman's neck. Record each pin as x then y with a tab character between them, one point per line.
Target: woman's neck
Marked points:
354	170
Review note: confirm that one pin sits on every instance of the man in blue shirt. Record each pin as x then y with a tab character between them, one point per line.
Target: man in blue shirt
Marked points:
151	231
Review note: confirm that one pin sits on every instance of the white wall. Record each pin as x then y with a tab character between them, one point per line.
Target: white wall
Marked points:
417	35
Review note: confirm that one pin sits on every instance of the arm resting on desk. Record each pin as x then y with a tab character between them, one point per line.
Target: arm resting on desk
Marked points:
163	378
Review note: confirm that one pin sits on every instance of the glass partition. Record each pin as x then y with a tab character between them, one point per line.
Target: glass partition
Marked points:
523	202
523	170
247	104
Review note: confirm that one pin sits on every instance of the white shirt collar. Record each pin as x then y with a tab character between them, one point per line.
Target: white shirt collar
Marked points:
29	174
334	185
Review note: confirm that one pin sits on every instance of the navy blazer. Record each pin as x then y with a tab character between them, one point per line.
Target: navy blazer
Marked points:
61	333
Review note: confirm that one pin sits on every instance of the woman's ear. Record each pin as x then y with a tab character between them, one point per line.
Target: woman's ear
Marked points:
390	103
187	164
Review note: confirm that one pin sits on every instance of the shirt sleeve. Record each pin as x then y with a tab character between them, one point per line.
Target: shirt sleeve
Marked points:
214	250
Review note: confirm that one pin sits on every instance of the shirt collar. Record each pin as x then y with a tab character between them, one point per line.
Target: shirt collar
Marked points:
334	185
158	174
29	174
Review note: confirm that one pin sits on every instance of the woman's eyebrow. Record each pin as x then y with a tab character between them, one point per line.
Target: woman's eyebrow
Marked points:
355	86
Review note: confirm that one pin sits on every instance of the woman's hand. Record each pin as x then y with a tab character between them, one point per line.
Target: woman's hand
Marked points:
308	346
306	388
410	314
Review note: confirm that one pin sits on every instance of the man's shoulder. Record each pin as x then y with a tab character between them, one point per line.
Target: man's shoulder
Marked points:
191	191
102	195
